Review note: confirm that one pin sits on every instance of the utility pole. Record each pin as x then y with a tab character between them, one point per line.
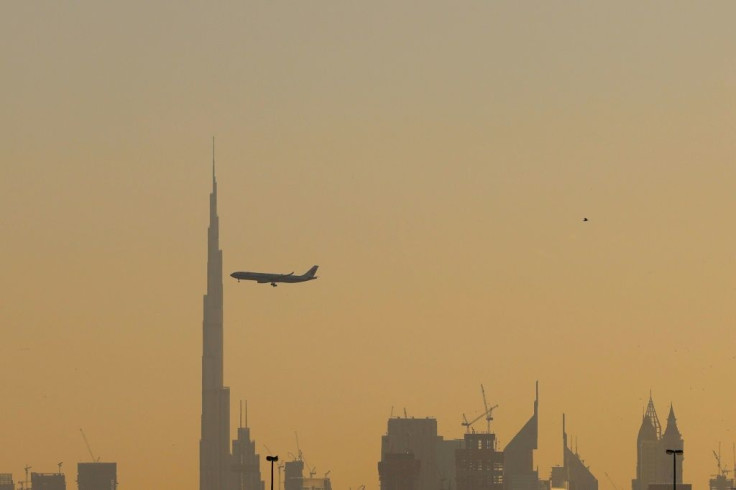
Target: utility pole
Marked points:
272	459
674	453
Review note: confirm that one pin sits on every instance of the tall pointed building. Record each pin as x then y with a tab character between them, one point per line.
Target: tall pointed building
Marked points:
246	462
518	455
579	476
653	464
648	459
671	439
214	450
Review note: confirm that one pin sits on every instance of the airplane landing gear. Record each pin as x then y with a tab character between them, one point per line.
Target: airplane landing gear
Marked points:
273	284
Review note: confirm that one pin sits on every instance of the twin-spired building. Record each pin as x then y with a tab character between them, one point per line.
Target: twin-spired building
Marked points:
654	466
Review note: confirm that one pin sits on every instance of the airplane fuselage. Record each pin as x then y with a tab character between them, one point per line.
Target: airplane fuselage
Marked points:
268	278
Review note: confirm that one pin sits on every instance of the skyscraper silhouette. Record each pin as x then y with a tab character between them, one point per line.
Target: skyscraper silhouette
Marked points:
214	451
518	455
653	464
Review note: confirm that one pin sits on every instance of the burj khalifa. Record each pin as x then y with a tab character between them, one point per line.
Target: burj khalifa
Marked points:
214	451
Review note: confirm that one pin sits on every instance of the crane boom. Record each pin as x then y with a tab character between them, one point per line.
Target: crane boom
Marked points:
489	411
94	460
483	391
487	414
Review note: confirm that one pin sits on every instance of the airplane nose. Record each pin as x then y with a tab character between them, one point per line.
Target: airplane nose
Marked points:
232	275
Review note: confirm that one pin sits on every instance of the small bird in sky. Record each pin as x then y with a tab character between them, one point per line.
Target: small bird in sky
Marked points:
585	219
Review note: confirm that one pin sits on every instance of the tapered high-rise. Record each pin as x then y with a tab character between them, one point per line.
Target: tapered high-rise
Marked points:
214	451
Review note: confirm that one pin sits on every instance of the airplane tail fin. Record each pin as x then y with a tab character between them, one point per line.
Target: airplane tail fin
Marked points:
311	272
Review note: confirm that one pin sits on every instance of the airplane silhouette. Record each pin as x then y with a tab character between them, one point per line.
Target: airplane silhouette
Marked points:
265	277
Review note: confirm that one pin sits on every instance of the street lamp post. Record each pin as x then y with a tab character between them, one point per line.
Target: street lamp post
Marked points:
674	453
273	459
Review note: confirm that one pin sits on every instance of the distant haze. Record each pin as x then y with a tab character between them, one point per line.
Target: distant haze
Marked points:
436	159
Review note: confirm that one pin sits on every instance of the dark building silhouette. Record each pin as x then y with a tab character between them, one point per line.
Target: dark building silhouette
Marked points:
48	481
294	478
419	438
573	474
293	474
647	449
316	484
721	481
447	462
519	473
399	471
97	476
414	456
6	481
668	486
653	465
246	462
214	450
671	439
479	466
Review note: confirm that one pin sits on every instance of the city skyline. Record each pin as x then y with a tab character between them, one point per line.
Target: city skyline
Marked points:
437	163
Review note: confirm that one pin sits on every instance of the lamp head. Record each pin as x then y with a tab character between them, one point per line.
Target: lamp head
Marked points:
272	458
674	451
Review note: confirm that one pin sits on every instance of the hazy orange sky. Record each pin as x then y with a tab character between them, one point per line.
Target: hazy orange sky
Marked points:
434	158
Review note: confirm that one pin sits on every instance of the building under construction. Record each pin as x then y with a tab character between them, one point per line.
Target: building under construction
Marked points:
97	476
48	481
294	478
478	465
721	481
415	457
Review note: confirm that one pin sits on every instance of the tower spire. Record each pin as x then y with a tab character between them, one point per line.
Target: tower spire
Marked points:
215	424
651	413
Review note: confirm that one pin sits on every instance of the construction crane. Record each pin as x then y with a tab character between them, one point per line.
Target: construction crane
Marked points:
487	414
489	411
298	449
300	456
467	423
721	470
94	460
